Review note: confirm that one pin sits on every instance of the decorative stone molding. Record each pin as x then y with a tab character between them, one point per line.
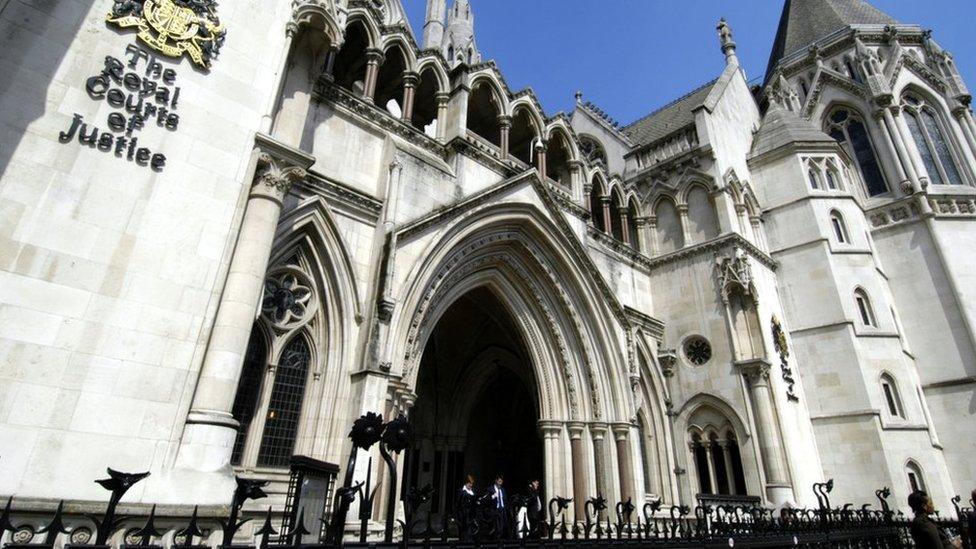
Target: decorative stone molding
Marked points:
289	299
338	193
279	167
756	370
668	359
732	272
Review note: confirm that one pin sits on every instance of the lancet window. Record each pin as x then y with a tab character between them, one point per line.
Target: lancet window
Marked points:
847	127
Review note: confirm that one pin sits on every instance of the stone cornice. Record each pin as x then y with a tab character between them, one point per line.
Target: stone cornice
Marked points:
652	326
621	251
692	157
356	201
728	240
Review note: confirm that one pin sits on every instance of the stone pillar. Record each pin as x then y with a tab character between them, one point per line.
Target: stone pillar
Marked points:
599	432
778	489
540	160
504	126
579	469
442	99
964	117
727	459
903	135
685	224
374	58
555	473
710	459
410	80
269	112
576	173
625	466
652	235
607	224
906	170
329	67
210	428
587	190
624	227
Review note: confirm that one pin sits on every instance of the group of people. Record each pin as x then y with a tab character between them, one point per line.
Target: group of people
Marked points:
493	512
927	534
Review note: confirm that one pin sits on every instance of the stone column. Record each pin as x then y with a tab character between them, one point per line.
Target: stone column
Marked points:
555	473
964	117
329	67
652	234
710	459
269	112
579	469
540	160
621	433
504	126
599	432
442	99
624	227
903	135
971	124
607	224
685	224
778	489
374	58
905	168
210	428
587	190
576	172
410	80
727	459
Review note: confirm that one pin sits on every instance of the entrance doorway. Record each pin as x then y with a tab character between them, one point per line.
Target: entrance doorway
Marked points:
477	405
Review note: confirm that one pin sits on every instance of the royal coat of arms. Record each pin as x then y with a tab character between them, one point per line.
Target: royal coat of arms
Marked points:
174	27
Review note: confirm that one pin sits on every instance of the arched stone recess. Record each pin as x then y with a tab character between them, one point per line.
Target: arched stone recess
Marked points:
515	248
650	404
707	414
308	238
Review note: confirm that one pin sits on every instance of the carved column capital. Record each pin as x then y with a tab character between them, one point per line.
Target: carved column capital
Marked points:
375	56
667	358
599	430
576	429
279	167
755	370
410	79
504	121
442	98
621	431
550	427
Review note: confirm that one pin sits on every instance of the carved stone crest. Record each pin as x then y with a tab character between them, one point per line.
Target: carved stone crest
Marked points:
734	272
173	27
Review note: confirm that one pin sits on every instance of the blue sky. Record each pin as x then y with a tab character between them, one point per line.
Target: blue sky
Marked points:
632	56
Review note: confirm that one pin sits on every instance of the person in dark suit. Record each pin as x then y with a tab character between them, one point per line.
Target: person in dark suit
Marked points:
971	521
925	532
534	508
499	499
465	509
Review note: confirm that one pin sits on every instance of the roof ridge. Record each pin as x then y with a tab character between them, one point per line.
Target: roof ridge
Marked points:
671	104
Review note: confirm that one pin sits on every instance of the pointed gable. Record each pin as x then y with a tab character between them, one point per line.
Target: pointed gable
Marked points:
805	21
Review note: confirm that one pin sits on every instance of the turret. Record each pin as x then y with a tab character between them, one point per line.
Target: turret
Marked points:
434	24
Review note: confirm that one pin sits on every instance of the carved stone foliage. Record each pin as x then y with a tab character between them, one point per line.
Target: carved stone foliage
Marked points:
783	350
289	299
734	272
276	176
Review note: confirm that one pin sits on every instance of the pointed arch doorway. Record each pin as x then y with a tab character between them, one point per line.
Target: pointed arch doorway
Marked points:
477	408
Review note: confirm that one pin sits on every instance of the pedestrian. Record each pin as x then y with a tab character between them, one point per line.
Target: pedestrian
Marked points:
971	521
464	506
534	508
500	500
925	532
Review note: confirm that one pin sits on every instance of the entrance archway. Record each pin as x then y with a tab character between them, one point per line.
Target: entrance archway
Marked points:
477	407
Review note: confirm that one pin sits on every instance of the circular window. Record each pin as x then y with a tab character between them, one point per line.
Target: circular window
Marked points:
697	350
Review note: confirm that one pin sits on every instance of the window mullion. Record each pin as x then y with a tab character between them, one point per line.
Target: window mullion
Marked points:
254	435
933	151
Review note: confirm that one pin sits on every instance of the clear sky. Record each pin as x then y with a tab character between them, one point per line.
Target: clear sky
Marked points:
632	56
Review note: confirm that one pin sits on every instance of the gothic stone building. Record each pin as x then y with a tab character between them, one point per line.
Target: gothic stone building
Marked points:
211	263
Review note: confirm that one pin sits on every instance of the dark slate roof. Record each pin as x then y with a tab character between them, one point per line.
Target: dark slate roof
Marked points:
673	116
805	21
781	127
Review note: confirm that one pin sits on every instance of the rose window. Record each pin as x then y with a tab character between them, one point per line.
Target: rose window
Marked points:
698	350
288	298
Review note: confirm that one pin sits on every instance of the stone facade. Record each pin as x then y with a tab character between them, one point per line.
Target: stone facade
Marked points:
745	292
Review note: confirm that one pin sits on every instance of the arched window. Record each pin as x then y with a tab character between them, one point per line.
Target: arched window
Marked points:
702	218
840	229
814	175
596	205
617	219
916	481
670	236
450	54
717	462
848	128
592	151
930	141
864	309
248	390
700	453
892	399
285	405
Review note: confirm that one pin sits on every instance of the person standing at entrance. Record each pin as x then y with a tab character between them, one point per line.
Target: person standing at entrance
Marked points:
465	508
534	508
500	499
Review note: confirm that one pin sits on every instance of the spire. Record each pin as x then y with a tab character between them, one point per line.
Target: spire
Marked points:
725	39
805	21
434	24
459	44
